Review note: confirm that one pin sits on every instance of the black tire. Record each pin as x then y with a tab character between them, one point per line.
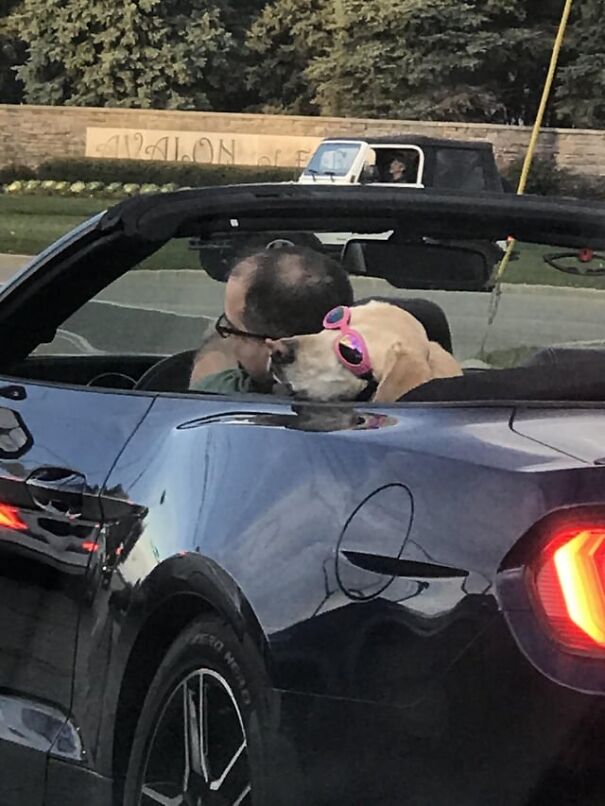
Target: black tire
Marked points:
209	651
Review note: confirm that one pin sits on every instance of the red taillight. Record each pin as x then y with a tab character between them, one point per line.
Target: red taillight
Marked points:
10	519
570	584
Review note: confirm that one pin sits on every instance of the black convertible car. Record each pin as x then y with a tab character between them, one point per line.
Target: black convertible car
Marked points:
215	601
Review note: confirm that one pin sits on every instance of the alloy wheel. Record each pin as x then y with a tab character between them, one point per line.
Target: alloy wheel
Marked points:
198	754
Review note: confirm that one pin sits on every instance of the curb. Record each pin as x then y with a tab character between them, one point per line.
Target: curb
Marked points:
551	290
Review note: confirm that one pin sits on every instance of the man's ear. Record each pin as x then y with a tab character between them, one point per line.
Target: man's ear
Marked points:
403	370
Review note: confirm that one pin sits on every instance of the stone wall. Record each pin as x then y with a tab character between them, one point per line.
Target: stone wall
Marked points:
31	134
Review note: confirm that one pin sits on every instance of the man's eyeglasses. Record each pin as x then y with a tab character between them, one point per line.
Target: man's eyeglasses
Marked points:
224	328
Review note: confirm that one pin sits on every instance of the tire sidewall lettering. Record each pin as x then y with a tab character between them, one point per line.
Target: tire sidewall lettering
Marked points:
227	657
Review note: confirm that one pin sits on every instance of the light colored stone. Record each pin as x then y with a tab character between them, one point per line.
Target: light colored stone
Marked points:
207	147
31	134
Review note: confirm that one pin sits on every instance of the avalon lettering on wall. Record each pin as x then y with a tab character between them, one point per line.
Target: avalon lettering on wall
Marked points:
210	148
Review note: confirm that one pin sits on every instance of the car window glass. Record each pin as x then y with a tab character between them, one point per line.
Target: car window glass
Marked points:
549	296
333	158
382	158
459	169
542	307
161	306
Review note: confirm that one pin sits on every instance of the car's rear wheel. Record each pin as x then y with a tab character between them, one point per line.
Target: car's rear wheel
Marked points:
198	739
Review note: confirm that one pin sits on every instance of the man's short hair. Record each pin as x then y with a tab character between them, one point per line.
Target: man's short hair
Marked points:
291	289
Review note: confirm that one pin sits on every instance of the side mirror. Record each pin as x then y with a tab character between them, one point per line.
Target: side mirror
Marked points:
420	265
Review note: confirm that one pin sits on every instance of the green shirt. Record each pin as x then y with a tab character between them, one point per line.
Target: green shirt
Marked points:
229	382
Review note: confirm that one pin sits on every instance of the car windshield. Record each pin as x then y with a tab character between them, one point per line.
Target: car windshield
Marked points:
333	159
549	295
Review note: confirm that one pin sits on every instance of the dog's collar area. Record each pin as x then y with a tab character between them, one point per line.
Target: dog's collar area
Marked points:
367	393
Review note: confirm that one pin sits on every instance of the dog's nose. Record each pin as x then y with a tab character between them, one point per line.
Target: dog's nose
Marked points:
282	351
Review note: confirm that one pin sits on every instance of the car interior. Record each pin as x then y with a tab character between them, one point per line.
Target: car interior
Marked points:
383	158
128	313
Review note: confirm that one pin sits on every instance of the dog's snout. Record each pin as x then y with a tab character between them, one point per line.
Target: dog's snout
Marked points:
282	351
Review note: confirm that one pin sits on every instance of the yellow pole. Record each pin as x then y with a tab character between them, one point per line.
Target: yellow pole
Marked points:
554	60
527	163
341	27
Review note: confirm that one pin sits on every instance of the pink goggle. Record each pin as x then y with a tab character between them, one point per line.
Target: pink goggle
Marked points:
349	346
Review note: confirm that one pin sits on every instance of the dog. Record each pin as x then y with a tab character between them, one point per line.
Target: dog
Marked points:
373	351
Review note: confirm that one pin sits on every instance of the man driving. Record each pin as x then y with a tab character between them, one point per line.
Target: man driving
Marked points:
272	294
402	168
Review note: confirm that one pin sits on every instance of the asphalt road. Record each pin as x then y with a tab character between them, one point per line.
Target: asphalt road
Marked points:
528	316
165	311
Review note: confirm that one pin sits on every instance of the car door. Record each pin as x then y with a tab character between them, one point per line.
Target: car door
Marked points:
77	327
57	447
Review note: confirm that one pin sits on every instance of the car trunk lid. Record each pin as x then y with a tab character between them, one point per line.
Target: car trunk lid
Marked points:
579	433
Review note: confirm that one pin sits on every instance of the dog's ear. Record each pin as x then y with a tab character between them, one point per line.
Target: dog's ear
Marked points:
403	370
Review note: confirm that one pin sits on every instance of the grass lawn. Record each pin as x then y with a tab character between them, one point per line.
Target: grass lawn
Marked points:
530	268
30	223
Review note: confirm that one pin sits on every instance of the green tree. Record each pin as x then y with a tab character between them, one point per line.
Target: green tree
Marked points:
482	60
580	93
280	45
144	53
238	16
431	59
12	53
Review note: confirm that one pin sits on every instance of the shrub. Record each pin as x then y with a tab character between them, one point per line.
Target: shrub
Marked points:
583	187
544	178
32	186
113	188
147	172
16	173
94	187
547	179
15	187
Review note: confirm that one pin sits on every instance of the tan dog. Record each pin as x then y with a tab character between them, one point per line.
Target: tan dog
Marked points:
401	356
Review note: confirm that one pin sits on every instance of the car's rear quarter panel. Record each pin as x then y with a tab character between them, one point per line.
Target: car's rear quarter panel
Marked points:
429	662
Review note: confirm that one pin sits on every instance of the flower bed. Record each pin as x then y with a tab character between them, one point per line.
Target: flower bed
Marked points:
120	178
51	187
